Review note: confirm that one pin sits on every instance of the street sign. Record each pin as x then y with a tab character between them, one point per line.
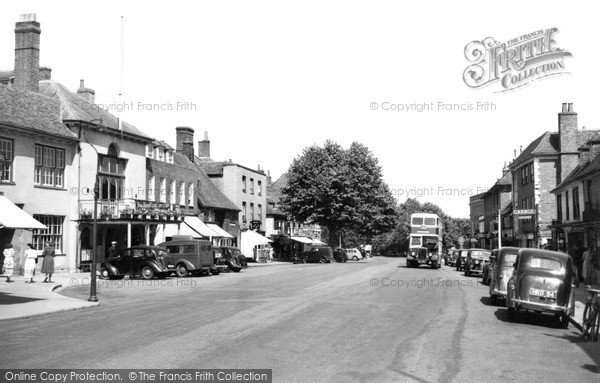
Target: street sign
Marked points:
524	217
524	211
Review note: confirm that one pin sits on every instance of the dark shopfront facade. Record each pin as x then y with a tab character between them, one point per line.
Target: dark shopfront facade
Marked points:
127	230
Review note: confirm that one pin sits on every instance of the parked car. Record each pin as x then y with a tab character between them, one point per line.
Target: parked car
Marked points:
542	282
353	254
501	272
192	256
487	268
223	261
461	259
234	253
339	255
144	261
476	259
454	254
322	254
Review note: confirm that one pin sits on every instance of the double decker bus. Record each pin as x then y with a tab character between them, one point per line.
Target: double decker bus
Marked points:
425	242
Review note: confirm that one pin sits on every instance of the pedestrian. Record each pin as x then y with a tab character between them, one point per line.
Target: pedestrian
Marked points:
9	262
30	261
48	264
577	259
589	275
112	250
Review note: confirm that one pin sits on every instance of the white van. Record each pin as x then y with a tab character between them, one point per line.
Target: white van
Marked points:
353	254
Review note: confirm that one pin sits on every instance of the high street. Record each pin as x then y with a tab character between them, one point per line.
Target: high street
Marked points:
367	321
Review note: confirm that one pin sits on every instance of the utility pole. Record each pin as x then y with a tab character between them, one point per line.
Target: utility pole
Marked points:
499	230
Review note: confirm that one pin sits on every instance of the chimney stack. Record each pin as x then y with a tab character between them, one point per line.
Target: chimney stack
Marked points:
185	141
45	73
86	93
204	147
27	53
567	138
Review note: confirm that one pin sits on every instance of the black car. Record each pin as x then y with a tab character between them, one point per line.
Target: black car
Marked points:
236	254
224	259
339	255
144	261
321	254
476	260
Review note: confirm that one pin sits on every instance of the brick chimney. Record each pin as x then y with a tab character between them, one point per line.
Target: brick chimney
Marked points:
86	93
45	73
185	141
204	147
27	53
567	135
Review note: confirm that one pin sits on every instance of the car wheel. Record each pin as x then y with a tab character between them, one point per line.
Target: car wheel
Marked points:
355	258
147	272
182	272
104	273
215	271
233	266
512	314
434	265
323	260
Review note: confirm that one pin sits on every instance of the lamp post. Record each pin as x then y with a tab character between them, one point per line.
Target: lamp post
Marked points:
93	297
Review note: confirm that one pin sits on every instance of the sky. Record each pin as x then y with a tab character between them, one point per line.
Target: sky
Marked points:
267	79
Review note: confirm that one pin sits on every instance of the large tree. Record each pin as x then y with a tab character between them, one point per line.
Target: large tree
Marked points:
340	189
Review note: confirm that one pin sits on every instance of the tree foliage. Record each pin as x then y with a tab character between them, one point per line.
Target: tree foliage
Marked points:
340	189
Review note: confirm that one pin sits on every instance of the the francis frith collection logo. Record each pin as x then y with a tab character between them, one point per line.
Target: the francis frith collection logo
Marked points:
514	63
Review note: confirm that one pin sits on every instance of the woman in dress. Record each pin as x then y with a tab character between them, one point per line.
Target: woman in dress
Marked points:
9	262
48	264
30	258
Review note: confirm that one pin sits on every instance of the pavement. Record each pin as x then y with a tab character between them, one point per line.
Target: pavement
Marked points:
580	300
23	300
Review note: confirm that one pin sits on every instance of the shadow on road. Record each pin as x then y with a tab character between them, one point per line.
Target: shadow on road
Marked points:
10	299
528	318
592	349
486	301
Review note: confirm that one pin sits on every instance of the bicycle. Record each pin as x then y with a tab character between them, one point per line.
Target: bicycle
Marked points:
591	315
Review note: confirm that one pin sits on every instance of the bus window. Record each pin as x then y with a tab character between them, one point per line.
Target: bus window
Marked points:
415	241
417	221
430	221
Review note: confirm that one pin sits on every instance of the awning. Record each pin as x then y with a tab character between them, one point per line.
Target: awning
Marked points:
12	217
219	232
249	240
191	226
317	242
303	240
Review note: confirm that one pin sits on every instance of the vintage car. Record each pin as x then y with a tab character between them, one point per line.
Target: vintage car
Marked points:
461	259
192	256
542	282
339	255
234	253
453	256
501	272
487	268
144	261
223	261
318	253
353	254
476	259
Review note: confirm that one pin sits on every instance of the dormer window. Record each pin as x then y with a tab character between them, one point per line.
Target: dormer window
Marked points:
169	155
160	154
150	151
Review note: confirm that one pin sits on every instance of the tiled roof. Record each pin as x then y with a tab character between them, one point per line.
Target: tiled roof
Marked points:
581	171
274	190
165	145
209	194
549	143
32	111
273	211
76	108
212	168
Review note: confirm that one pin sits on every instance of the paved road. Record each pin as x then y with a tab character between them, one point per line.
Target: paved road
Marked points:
309	322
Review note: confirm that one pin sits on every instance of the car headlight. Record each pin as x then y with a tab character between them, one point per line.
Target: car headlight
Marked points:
412	253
